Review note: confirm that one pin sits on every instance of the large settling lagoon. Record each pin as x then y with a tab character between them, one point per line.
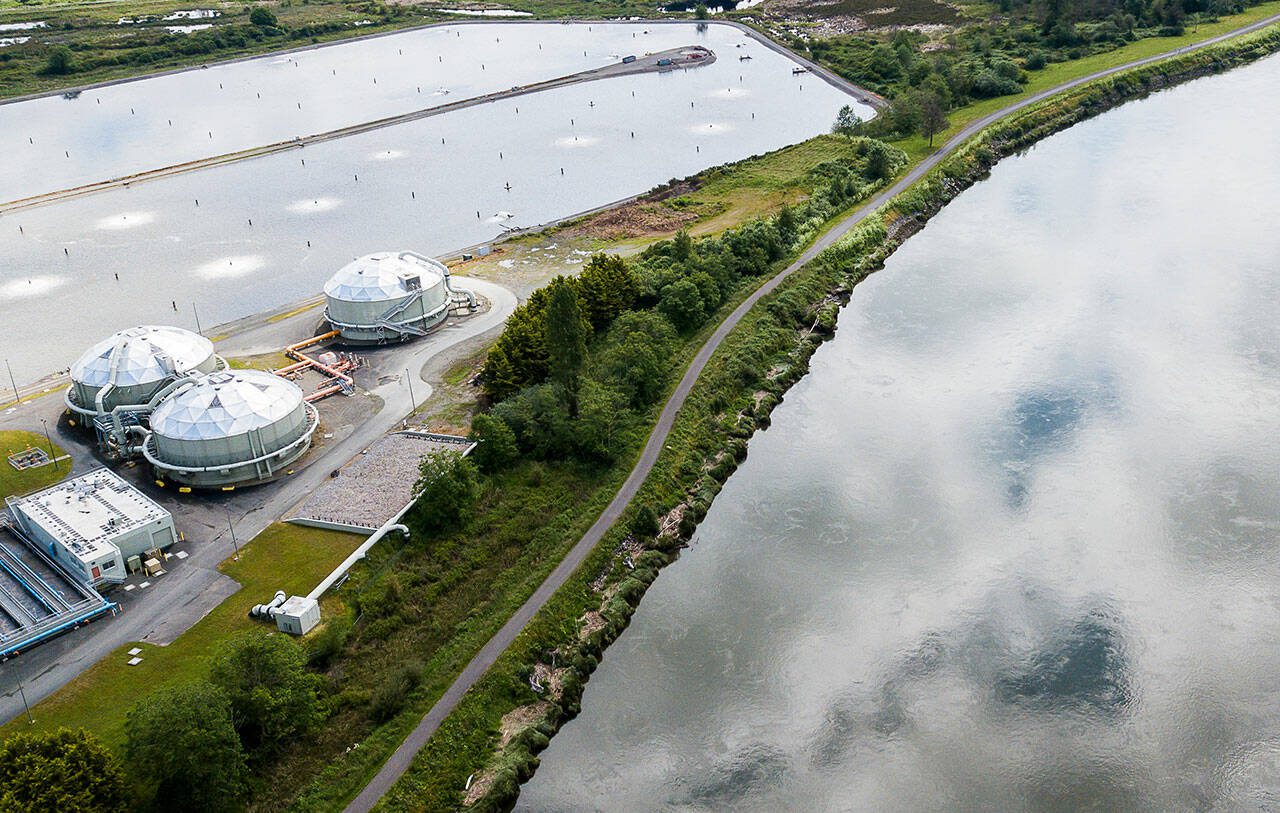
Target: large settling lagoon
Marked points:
242	238
1014	543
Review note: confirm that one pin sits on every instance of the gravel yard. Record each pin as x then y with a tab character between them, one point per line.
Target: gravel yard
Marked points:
375	485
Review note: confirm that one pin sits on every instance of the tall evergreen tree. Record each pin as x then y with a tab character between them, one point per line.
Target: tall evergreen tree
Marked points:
566	335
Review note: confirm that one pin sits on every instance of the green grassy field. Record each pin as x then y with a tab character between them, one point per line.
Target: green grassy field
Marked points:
283	557
14	482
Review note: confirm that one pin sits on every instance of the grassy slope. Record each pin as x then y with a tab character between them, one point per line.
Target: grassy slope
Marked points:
527	522
283	557
14	482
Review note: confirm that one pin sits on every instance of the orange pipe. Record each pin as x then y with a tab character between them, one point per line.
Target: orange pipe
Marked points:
294	351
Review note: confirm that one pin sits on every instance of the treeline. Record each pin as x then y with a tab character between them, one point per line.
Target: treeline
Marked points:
585	357
570	382
993	58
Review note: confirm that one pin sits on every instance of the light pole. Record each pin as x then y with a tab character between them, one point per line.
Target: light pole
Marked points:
52	454
234	544
196	313
413	404
17	397
30	720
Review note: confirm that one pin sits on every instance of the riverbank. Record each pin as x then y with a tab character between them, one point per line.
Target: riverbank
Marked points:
604	592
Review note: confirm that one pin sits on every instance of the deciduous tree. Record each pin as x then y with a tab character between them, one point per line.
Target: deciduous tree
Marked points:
846	123
448	485
495	443
272	695
182	738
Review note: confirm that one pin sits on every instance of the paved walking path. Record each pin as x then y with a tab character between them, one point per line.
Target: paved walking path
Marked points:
399	762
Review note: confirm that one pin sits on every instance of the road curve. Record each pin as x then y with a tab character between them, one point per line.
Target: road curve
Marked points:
399	761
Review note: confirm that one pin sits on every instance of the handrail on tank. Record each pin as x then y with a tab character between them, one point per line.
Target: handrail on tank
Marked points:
99	407
313	422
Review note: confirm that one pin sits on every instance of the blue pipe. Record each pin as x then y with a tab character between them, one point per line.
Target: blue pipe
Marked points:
49	633
29	588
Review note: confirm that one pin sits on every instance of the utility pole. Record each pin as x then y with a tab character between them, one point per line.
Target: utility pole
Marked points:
16	396
413	404
52	454
30	720
234	544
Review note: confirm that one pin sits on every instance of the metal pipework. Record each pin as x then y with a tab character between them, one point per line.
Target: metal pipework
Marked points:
269	609
448	279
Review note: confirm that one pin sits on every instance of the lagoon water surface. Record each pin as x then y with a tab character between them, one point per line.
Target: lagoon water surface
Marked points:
243	238
1014	543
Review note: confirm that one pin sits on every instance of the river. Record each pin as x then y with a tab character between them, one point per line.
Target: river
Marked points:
1013	543
243	238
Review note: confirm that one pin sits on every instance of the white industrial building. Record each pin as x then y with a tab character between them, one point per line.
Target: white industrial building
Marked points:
93	524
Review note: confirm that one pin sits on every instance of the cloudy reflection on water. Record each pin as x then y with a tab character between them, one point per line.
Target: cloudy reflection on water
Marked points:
1014	543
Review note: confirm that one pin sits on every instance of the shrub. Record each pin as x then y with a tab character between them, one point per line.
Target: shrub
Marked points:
495	443
448	485
60	62
262	17
389	698
272	695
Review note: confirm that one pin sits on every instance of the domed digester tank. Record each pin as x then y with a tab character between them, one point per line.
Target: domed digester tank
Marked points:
390	297
132	366
229	429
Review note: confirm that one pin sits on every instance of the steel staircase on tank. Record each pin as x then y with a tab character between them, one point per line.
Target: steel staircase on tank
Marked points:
385	320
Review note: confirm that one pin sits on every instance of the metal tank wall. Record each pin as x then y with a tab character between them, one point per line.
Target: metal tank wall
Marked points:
139	375
230	429
360	293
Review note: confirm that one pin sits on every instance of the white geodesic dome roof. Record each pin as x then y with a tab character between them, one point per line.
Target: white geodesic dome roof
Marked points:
227	404
380	276
141	355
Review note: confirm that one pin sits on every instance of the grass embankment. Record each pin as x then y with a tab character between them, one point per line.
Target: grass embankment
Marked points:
709	440
435	604
13	482
283	557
